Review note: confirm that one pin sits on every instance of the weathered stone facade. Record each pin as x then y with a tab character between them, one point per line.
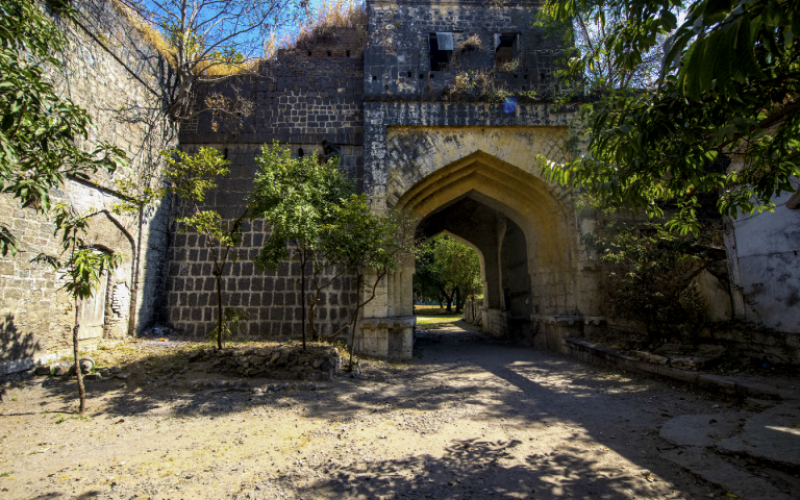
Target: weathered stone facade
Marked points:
765	265
394	117
465	163
304	97
407	108
403	60
109	70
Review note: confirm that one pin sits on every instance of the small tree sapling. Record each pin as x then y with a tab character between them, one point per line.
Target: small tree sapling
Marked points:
191	176
83	269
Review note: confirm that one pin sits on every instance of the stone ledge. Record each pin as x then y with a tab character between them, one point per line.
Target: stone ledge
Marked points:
569	320
402	322
729	386
29	362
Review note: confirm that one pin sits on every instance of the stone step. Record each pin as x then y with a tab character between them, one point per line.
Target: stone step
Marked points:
770	439
708	465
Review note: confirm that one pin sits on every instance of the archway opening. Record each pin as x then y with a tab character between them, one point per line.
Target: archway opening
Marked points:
448	279
92	310
518	223
502	256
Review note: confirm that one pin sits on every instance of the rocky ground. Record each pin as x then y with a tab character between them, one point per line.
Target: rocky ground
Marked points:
469	418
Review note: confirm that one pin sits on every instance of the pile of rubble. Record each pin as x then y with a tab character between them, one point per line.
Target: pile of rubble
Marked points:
88	369
281	362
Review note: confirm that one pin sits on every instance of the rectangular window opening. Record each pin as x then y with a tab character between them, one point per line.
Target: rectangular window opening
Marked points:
505	51
441	48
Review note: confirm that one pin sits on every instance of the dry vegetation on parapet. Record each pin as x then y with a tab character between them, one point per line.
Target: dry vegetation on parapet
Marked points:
331	14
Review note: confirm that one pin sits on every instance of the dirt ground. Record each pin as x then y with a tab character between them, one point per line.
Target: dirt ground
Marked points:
469	418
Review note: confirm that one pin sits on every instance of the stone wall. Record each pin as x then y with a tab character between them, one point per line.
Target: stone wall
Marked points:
400	62
111	72
305	96
765	265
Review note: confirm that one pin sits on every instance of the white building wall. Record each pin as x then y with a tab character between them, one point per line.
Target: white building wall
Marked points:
764	259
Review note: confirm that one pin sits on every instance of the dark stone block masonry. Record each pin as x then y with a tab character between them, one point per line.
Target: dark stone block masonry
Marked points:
414	108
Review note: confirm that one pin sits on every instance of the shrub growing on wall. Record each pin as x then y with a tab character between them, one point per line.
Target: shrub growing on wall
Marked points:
650	280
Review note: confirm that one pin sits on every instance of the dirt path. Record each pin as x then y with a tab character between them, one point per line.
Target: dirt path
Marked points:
470	418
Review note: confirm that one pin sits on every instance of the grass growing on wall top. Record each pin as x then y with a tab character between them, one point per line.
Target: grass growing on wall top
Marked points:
156	40
330	14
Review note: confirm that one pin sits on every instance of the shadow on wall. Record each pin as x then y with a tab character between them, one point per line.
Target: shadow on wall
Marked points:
14	346
154	263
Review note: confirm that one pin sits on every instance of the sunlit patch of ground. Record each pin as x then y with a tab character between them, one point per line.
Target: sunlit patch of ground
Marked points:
470	419
431	317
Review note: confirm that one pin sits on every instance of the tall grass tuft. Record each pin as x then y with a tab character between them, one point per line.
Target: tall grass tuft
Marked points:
331	14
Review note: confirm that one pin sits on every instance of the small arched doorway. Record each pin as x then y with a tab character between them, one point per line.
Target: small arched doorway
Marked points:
92	310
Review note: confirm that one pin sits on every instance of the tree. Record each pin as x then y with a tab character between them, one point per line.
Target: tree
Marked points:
39	130
191	177
298	198
727	91
447	269
427	280
210	40
588	36
83	269
461	269
370	246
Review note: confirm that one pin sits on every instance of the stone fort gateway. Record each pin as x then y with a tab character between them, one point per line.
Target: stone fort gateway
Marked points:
385	104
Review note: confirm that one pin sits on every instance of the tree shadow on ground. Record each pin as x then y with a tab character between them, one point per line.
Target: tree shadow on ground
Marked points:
480	469
166	379
524	387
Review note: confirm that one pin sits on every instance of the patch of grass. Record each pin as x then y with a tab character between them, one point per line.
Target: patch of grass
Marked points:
435	316
71	417
6	474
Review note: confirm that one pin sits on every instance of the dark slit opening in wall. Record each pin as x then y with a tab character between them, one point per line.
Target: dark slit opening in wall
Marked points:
440	59
505	51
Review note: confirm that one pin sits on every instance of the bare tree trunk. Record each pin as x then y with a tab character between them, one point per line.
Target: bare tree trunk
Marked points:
312	313
303	295
78	373
219	308
359	306
81	390
353	337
